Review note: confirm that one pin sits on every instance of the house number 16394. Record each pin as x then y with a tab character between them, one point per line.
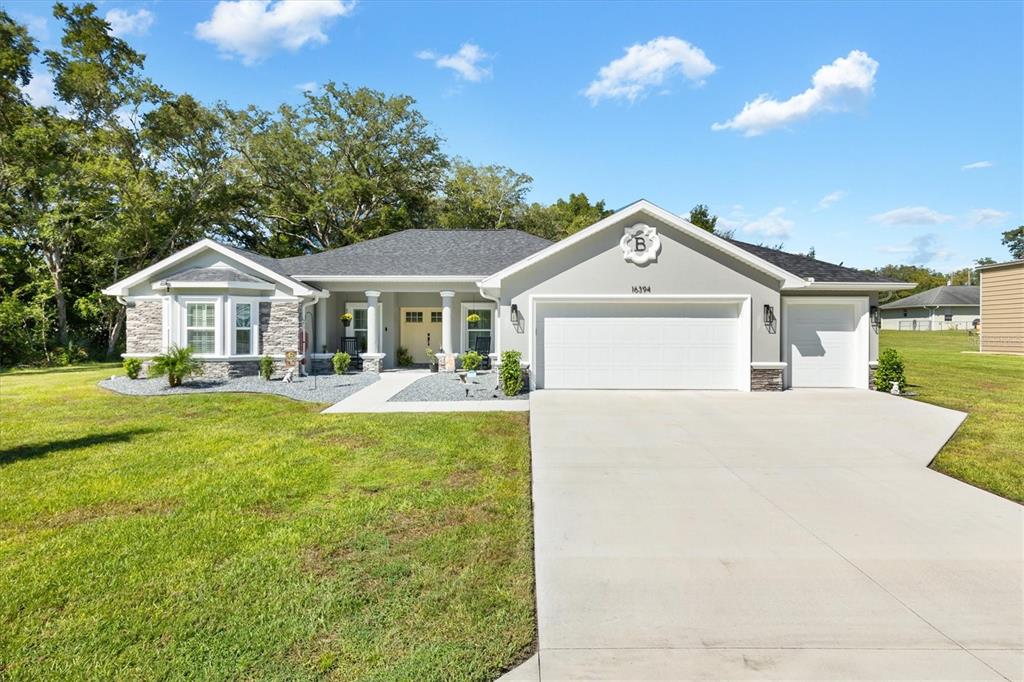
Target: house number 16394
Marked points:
641	288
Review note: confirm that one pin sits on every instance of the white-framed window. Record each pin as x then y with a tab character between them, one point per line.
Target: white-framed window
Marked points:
358	327
413	315
478	327
201	327
245	326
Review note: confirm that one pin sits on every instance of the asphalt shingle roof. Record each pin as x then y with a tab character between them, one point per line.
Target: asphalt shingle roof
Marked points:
948	295
805	267
212	275
410	253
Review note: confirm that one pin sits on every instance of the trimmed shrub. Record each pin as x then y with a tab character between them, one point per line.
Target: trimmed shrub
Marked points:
177	364
340	361
511	373
132	367
890	369
266	367
471	361
404	357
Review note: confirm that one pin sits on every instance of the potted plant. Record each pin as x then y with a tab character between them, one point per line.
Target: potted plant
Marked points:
472	317
431	358
346	319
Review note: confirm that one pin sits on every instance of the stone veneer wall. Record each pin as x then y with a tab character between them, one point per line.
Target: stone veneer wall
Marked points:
144	327
872	371
765	379
279	327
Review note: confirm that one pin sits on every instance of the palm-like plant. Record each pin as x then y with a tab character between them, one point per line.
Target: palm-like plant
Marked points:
177	363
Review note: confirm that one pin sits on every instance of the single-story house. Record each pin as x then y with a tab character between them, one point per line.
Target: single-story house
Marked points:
641	300
947	307
1002	307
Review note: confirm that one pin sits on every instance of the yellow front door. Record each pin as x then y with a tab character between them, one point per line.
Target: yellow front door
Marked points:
420	329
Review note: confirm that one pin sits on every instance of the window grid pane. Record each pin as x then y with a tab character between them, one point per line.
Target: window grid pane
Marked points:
200	315
359	318
201	340
243	342
436	316
243	315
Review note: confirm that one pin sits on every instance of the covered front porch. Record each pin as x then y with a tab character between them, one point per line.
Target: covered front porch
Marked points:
391	325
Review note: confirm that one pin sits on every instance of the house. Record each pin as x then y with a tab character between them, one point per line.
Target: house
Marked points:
641	299
1002	307
948	307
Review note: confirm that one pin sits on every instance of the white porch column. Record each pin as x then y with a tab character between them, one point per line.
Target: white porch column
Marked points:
321	326
446	321
372	358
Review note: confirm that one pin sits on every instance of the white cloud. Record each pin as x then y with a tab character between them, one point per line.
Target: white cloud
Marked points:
834	87
39	91
920	250
986	216
829	199
647	66
308	86
912	215
124	24
772	224
253	29
976	165
467	63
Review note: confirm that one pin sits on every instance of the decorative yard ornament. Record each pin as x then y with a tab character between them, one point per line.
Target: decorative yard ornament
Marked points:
640	244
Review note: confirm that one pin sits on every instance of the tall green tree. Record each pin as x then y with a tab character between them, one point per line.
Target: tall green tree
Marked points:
701	216
345	165
1014	241
563	218
482	197
924	277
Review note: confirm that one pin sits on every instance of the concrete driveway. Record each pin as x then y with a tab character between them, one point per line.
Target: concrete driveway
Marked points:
796	535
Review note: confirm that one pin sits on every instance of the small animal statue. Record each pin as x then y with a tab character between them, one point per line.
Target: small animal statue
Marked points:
895	390
289	375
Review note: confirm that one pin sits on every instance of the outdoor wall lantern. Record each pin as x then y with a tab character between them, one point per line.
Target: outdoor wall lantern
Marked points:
515	312
876	317
769	318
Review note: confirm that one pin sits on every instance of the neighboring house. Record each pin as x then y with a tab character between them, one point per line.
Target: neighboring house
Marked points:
640	299
948	307
1002	307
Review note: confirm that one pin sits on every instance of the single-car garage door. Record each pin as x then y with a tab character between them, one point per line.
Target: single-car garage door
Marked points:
826	345
634	345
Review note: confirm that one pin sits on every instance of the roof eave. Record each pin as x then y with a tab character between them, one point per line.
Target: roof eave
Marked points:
853	286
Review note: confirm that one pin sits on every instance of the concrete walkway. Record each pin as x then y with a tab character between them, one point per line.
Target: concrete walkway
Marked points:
799	535
374	398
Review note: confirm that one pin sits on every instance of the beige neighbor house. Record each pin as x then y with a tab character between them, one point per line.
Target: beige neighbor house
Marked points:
1002	307
641	300
938	309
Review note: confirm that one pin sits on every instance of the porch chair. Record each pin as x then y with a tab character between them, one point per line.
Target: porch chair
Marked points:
349	344
482	345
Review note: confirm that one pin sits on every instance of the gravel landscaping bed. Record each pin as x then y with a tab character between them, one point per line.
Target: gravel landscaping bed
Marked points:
447	386
328	388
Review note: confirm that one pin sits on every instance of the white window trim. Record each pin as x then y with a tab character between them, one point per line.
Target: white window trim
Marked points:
254	326
218	317
351	306
464	326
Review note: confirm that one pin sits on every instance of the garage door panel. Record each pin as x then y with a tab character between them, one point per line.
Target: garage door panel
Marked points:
823	345
629	346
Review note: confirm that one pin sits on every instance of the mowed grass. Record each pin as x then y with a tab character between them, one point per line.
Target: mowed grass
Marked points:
988	449
247	536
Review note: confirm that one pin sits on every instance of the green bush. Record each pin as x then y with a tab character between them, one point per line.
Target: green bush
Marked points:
890	369
471	361
341	360
511	374
431	356
177	363
132	367
266	367
404	357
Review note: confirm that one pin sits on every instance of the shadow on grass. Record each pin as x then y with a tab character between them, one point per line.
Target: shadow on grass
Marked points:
29	371
36	450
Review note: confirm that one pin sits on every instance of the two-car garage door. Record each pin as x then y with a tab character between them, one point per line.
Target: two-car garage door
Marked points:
640	345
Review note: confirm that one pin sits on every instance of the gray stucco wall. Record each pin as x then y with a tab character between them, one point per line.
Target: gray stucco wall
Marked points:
684	267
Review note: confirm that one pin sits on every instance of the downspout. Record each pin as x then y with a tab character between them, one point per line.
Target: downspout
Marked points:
497	310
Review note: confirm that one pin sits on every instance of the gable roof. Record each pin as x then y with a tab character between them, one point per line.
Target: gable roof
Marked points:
939	296
811	268
792	270
469	254
264	265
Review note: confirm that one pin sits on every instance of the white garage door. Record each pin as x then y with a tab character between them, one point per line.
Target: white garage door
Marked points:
823	345
640	346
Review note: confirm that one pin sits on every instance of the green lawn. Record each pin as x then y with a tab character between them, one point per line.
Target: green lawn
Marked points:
988	449
246	536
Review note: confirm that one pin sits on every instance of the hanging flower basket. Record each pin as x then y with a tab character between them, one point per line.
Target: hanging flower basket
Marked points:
472	317
346	319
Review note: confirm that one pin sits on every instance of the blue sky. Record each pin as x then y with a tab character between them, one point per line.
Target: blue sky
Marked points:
884	133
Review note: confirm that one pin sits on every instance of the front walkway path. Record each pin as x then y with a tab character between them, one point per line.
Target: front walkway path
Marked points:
374	398
798	535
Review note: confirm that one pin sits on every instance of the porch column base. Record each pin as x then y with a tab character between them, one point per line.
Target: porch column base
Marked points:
446	362
766	376
372	362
